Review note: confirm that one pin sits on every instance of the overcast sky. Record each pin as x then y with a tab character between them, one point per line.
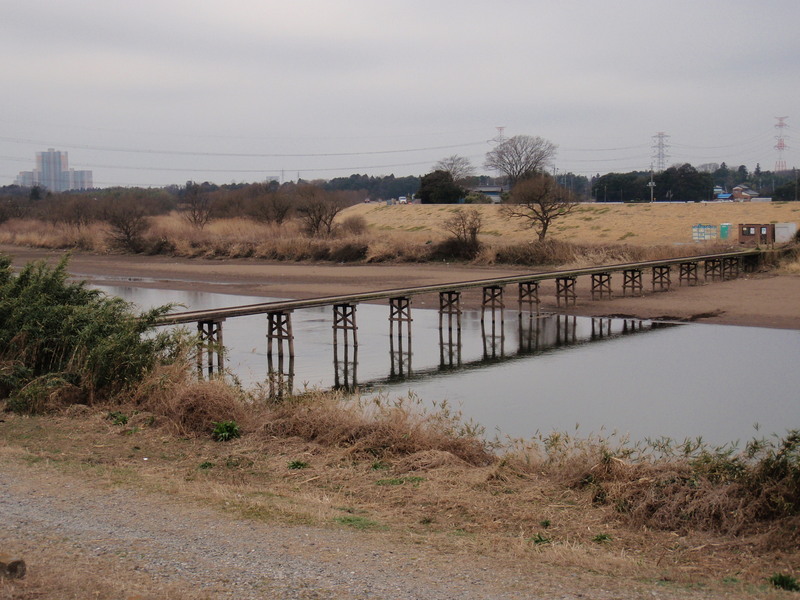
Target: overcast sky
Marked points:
160	92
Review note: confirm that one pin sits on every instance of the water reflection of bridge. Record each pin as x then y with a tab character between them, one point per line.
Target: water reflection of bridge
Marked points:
280	338
536	334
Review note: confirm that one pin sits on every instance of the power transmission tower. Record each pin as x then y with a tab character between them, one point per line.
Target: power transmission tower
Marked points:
500	137
660	154
780	164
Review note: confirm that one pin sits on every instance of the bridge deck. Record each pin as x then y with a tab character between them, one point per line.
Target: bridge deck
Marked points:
289	305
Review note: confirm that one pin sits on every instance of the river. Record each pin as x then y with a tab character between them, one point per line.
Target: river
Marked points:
591	376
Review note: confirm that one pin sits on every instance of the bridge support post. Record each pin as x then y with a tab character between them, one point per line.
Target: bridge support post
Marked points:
400	313
632	282
688	273
712	269
565	291
209	347
731	267
528	295
493	300
662	278
601	286
280	338
450	348
344	320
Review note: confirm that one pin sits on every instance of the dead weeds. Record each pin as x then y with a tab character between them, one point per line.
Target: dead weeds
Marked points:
412	485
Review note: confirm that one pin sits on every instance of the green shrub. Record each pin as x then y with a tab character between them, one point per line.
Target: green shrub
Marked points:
225	431
118	418
785	582
61	342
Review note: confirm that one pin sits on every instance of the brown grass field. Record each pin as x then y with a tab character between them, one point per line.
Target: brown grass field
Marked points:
406	233
634	224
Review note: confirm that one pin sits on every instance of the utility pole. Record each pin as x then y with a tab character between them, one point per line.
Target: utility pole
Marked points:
652	183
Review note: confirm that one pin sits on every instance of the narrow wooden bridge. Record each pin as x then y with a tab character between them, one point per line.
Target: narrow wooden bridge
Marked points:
280	339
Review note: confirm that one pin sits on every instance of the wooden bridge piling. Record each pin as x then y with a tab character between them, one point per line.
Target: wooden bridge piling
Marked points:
731	267
688	273
601	286
565	291
712	269
632	282
280	373
662	278
400	313
528	295
344	322
210	347
449	348
493	301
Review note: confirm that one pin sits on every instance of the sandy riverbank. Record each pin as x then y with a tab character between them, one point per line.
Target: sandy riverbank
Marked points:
761	300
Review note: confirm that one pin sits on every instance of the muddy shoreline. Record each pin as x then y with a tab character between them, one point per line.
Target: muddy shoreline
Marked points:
758	300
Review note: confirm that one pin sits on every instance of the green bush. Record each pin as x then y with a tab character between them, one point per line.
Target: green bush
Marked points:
785	582
225	431
62	343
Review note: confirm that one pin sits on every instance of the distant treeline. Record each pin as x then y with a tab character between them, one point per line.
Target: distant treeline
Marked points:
689	184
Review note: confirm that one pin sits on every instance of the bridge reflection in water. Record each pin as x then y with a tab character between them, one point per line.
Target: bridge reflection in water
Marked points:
535	334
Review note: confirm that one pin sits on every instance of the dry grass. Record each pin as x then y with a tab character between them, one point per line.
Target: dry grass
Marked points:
591	224
31	232
394	471
592	234
375	428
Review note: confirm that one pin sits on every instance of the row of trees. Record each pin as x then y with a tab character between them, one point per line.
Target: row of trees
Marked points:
532	195
687	183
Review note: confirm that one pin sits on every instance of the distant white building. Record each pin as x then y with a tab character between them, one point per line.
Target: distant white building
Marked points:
52	172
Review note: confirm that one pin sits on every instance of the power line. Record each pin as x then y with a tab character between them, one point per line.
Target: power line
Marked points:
236	154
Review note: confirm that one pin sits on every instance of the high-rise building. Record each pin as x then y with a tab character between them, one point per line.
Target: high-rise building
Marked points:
53	173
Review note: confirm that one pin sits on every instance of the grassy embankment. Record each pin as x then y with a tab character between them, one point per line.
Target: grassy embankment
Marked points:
727	519
592	234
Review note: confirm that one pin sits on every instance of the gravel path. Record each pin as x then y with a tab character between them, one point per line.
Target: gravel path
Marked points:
230	558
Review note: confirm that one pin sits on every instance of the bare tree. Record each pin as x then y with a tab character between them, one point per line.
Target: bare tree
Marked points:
538	201
459	167
127	225
196	205
521	156
317	209
464	226
279	206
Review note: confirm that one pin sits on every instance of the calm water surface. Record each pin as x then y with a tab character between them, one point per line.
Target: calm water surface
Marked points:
556	373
